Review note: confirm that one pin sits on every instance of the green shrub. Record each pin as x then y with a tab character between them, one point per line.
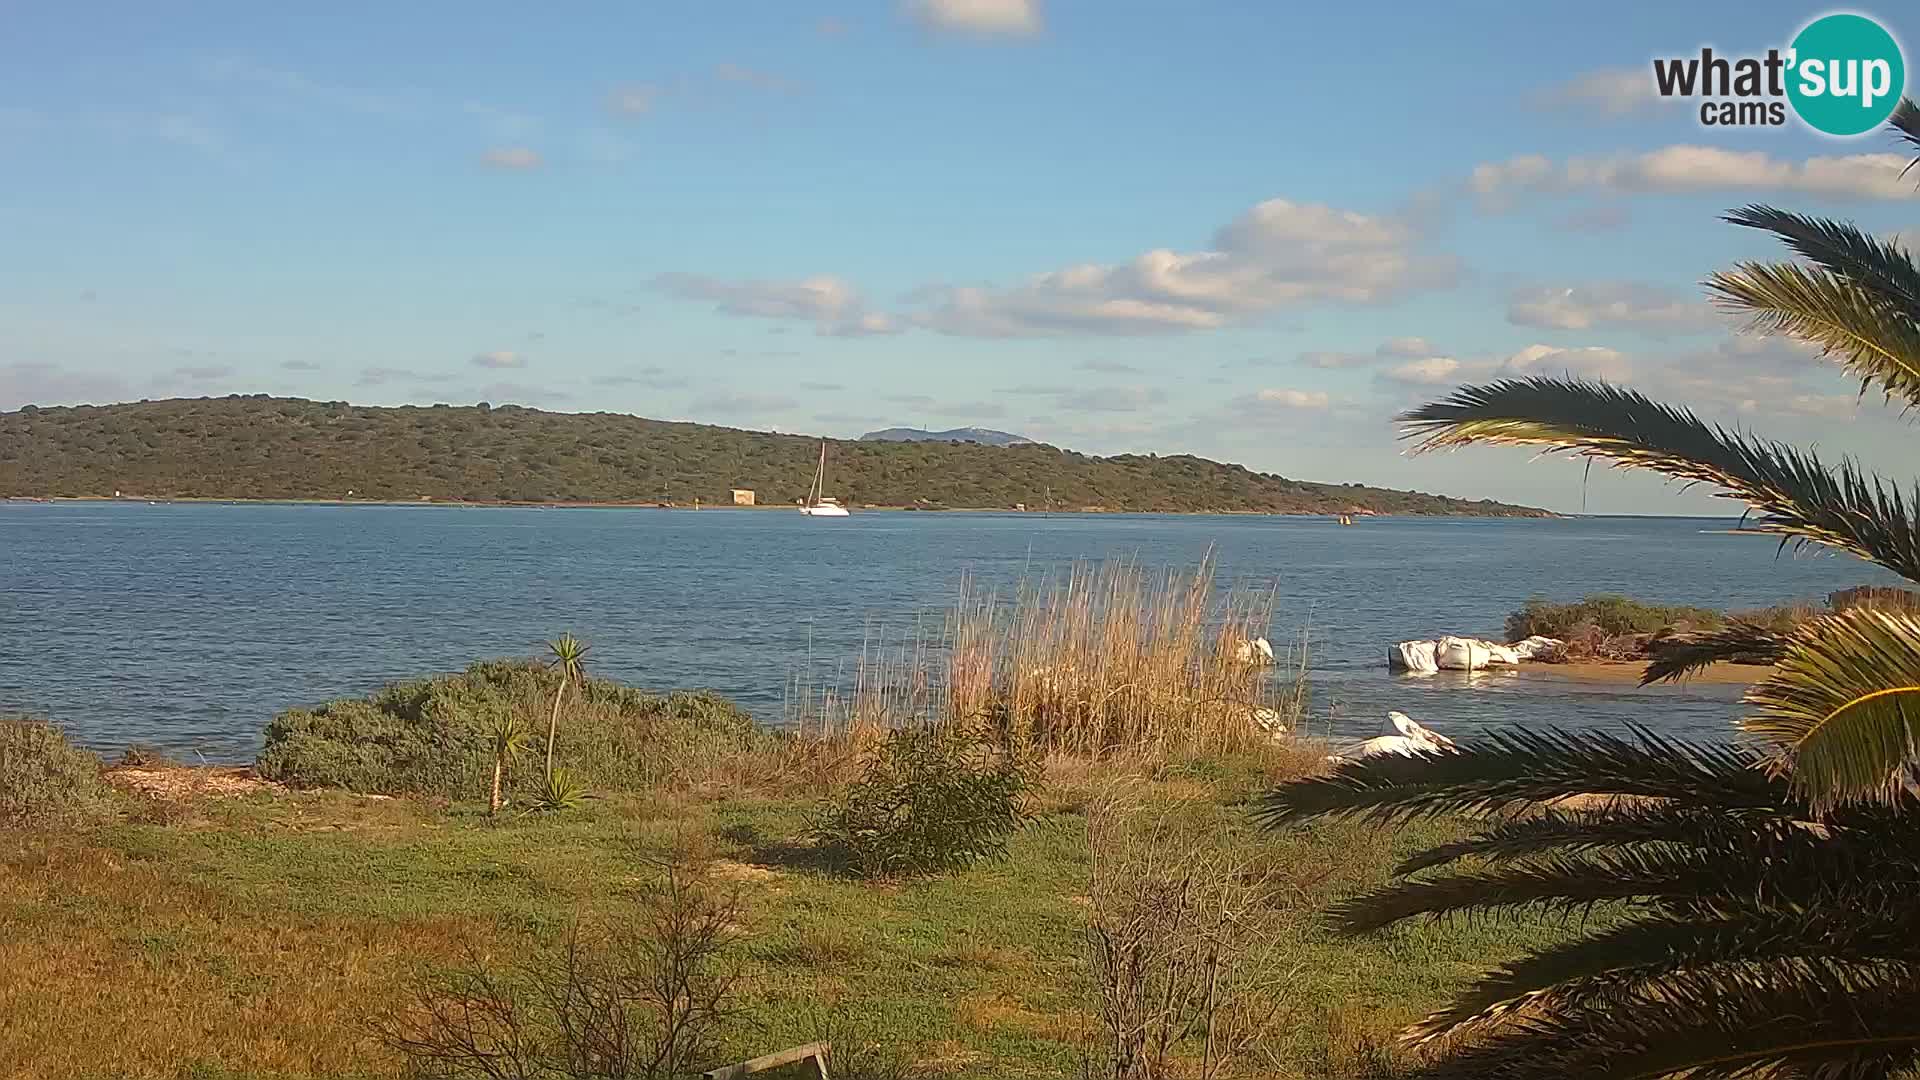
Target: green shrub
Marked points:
45	780
1611	615
433	736
928	800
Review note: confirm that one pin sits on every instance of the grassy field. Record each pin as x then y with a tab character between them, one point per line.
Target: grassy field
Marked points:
258	935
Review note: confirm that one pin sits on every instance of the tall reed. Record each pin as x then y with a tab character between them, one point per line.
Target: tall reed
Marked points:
1093	659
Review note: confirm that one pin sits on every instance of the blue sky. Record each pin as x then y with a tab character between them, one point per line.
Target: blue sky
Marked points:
1225	229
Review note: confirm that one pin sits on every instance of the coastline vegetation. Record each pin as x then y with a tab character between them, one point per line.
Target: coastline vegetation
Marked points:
918	872
1617	628
260	447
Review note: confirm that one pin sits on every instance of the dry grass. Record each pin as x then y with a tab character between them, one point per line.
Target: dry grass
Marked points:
195	979
1097	661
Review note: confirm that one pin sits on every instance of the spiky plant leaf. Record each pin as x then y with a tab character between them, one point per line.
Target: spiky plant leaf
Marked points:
1816	1018
1636	954
1906	121
1871	333
1844	249
1738	642
1798	496
1522	769
558	791
1662	822
1843	704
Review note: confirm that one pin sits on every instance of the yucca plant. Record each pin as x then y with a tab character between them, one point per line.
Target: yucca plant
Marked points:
507	738
558	791
567	656
1761	902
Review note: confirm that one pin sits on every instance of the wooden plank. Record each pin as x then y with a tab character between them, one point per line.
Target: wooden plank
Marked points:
816	1051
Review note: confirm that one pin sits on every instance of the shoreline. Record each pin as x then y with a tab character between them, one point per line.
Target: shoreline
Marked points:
704	507
1627	672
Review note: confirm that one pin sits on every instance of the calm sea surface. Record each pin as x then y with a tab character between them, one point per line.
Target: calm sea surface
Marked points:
188	626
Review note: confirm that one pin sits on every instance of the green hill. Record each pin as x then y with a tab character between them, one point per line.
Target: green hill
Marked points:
259	447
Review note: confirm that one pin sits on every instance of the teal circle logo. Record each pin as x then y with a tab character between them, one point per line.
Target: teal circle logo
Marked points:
1845	74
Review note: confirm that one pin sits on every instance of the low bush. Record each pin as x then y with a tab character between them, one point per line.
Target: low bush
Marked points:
927	800
1612	616
44	779
435	736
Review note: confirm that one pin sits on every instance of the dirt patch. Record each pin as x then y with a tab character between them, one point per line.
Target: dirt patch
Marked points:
183	783
728	870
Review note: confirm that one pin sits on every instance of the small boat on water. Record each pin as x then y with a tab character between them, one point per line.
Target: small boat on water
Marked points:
818	504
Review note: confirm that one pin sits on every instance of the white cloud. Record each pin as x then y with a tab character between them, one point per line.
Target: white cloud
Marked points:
1405	346
1432	371
1277	255
1696	168
511	157
985	18
833	305
1293	399
1110	367
1610	305
499	358
1610	92
1390	349
1584	362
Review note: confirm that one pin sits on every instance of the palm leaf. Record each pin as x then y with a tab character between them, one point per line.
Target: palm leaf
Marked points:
1606	964
1665	822
1791	1017
1519	769
1797	495
1843	704
1844	249
1866	322
1906	121
1677	656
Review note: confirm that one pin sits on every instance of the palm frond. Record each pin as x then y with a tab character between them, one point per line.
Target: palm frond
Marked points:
1728	867
1555	883
1665	822
1677	656
1795	1017
1906	121
1866	322
1842	248
1521	768
1642	952
1797	495
1843	704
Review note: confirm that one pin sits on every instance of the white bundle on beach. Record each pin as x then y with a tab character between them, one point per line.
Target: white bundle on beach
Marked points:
1461	654
1414	656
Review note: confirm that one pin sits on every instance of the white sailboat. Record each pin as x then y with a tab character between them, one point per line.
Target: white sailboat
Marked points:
817	504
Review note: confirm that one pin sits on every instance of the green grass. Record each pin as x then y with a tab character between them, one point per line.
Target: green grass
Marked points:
253	937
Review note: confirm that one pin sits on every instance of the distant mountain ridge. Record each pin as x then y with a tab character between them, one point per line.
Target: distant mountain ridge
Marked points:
260	447
983	436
